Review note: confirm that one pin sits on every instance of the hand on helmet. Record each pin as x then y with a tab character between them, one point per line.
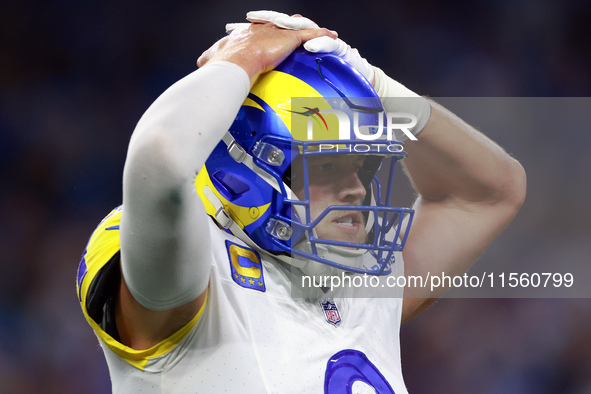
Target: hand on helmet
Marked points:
385	87
324	44
259	47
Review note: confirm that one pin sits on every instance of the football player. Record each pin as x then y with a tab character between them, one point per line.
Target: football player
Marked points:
242	179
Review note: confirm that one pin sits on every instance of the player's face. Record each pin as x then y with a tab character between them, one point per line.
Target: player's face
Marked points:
333	180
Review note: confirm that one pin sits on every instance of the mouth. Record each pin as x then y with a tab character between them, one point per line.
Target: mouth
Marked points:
350	223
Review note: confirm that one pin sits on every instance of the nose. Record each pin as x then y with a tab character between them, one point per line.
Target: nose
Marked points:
351	189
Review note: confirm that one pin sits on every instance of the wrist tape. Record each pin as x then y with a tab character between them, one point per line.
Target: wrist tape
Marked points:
397	98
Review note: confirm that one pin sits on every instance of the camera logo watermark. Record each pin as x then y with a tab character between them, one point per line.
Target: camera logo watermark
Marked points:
363	119
344	125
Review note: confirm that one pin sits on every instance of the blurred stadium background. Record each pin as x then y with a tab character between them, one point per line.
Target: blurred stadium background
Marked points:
76	76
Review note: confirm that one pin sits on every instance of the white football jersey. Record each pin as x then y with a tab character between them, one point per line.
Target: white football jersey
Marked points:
253	336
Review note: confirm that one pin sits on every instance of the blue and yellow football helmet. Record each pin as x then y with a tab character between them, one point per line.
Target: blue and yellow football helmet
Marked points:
311	104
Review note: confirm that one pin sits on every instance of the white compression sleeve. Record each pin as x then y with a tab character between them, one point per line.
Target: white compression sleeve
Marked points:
165	249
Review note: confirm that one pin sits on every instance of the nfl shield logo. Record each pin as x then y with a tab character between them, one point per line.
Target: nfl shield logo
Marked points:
331	313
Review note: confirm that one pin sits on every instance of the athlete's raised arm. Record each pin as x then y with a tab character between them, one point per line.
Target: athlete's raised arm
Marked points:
165	254
469	191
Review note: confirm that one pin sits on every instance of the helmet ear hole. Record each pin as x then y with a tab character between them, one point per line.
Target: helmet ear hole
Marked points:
232	186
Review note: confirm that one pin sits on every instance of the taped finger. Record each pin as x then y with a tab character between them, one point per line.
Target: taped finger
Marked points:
264	16
235	26
295	23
